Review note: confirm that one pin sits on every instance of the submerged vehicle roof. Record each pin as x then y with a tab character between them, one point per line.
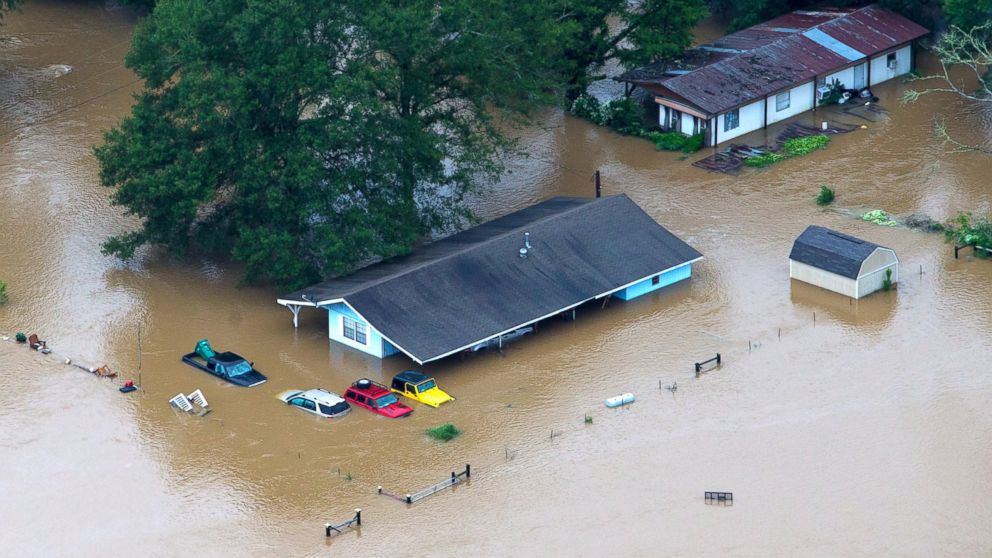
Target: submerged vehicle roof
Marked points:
411	376
229	358
321	396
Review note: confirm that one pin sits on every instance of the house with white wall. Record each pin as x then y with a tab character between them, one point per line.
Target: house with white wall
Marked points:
775	70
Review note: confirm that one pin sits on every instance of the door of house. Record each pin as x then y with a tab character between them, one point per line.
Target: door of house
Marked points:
676	121
859	76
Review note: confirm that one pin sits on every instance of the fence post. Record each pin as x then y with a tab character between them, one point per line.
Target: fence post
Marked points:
408	499
599	192
327	529
358	516
468	470
718	358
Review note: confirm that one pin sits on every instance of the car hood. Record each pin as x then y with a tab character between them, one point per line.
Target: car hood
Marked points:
396	410
435	396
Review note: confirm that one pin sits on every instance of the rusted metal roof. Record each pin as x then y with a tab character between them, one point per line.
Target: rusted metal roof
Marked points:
777	54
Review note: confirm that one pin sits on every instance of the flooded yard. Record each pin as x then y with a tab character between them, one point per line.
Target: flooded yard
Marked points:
864	432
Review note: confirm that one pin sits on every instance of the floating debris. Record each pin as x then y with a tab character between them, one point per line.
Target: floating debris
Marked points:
620	400
879	217
186	403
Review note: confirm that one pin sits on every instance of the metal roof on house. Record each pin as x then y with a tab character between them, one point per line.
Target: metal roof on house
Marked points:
778	54
832	251
474	285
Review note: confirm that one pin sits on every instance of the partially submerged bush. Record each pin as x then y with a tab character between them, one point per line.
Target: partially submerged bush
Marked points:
667	141
694	143
801	146
826	196
624	115
968	230
833	96
445	432
3	293
764	160
590	108
923	223
879	217
887	282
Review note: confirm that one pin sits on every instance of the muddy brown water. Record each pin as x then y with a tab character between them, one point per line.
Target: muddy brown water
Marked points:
864	434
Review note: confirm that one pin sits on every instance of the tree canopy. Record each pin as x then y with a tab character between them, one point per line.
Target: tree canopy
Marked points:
305	137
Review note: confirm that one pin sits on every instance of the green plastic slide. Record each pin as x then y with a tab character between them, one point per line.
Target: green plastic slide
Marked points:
203	349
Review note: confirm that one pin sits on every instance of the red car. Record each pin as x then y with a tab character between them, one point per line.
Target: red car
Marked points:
376	398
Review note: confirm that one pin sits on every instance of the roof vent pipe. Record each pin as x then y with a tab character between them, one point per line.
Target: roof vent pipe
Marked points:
527	240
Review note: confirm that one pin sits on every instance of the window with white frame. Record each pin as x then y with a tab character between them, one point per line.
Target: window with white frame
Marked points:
783	101
354	330
731	120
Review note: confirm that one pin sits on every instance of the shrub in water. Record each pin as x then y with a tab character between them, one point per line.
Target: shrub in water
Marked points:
625	116
589	107
20	337
801	146
445	432
694	143
887	282
879	217
763	160
668	141
3	292
825	197
968	230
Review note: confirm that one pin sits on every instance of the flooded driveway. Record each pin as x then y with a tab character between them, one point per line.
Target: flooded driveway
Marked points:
864	433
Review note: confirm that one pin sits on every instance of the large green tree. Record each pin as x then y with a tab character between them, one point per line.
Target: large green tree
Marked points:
590	33
306	137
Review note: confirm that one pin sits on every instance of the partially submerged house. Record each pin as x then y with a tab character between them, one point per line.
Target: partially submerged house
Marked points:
763	74
501	276
841	263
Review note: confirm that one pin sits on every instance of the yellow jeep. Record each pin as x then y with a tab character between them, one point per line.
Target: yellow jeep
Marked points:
419	387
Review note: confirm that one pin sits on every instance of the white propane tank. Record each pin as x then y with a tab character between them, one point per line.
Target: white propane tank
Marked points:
618	400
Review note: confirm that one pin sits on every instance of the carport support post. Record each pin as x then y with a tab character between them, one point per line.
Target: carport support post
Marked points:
295	309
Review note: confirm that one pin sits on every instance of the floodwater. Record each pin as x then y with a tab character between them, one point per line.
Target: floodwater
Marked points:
864	433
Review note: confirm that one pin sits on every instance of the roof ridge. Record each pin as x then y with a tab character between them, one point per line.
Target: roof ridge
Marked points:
476	245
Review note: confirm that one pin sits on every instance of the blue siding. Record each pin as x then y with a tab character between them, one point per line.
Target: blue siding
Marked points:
667	278
374	345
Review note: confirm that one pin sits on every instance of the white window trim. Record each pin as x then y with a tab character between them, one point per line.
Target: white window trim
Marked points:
358	324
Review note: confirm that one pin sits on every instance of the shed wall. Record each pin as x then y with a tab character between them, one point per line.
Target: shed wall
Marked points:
873	271
800	100
880	71
822	278
752	117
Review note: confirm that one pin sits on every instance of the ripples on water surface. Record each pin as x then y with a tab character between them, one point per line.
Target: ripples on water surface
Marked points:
867	434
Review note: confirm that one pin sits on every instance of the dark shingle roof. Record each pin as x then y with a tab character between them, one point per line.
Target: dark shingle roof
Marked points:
832	251
474	285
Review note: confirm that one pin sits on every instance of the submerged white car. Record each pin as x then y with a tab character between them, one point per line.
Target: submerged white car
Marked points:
317	401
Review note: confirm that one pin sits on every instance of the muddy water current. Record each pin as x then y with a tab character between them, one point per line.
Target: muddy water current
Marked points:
864	433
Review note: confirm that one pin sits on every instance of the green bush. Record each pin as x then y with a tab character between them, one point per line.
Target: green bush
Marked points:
667	141
887	282
796	147
825	197
967	230
590	108
764	160
694	143
879	217
835	93
445	432
625	115
3	293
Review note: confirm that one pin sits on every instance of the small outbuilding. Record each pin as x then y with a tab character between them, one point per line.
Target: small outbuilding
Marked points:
841	263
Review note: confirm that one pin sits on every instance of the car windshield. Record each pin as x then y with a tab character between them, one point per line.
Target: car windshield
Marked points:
385	401
429	384
238	369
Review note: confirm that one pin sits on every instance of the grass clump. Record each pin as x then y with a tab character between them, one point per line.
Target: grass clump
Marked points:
764	160
968	230
825	197
445	432
796	147
3	293
879	217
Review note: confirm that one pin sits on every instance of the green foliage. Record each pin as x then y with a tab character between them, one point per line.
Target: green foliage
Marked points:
8	5
796	147
879	217
305	137
833	96
624	115
444	433
590	108
967	13
667	141
826	196
887	282
764	160
966	229
21	337
3	293
588	419
591	32
694	143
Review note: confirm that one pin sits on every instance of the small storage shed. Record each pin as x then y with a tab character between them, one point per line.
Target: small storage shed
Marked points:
841	263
